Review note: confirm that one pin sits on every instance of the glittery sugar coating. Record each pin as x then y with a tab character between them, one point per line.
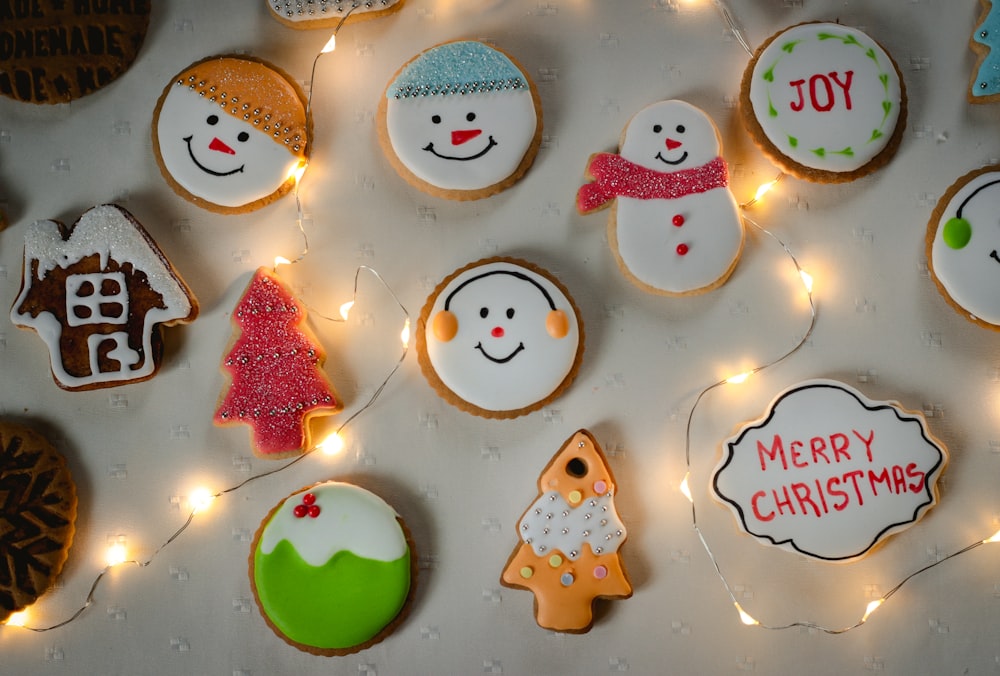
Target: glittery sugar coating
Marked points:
987	34
614	176
275	364
464	67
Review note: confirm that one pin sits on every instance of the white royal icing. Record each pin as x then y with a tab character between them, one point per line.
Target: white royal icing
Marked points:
350	519
827	96
534	363
108	232
255	168
311	11
643	229
551	524
971	274
828	472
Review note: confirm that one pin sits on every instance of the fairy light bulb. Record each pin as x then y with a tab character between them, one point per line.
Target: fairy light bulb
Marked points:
763	190
993	538
330	45
18	619
332	445
871	608
281	260
807	280
404	335
200	499
345	309
739	378
745	617
686	488
116	555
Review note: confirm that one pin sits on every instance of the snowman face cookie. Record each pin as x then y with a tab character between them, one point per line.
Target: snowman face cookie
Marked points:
963	246
229	133
499	338
675	227
461	121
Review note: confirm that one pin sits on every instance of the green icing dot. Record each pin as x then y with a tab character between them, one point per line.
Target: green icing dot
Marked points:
957	233
341	604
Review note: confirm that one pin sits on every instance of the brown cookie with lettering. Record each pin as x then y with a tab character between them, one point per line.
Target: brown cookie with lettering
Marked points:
54	51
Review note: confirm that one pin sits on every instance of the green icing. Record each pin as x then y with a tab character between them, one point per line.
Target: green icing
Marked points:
341	604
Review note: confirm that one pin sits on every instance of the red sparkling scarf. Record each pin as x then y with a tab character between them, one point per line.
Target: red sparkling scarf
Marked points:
614	176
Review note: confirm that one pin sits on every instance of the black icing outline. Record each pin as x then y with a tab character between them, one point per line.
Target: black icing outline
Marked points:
238	170
502	360
663	159
489	146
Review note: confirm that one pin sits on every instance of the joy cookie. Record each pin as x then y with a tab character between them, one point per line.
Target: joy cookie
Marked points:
53	51
675	227
500	338
824	102
37	516
332	569
274	365
328	13
963	246
97	293
229	133
570	539
461	120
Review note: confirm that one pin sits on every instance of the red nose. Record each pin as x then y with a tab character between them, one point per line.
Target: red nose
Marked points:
672	144
460	136
216	144
497	332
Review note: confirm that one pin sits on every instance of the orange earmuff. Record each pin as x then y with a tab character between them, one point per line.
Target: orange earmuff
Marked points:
557	324
444	325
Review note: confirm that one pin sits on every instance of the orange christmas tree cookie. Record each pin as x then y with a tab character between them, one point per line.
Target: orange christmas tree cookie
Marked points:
570	539
276	369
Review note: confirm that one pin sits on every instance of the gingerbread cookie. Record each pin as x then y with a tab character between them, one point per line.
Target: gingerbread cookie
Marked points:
97	293
962	246
571	536
332	569
675	227
275	368
37	516
500	338
53	51
461	120
824	102
229	133
328	13
985	84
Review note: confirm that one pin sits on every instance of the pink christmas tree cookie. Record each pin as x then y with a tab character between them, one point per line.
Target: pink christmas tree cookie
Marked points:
275	367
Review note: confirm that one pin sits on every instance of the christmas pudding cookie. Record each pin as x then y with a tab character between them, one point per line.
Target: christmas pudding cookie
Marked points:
829	473
571	536
230	132
274	366
332	569
824	102
674	226
500	338
963	246
461	120
97	293
985	85
54	51
37	516
328	13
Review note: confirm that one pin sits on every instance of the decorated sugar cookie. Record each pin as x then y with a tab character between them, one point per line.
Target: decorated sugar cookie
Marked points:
97	293
962	244
571	536
332	569
985	41
275	369
462	120
674	226
229	133
328	13
499	338
829	473
824	102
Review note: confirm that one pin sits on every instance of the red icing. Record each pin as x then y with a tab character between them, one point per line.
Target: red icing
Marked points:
308	499
460	136
678	220
217	144
497	332
276	370
673	145
614	176
682	249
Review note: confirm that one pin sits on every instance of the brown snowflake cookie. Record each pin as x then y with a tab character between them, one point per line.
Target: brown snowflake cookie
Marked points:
53	51
37	516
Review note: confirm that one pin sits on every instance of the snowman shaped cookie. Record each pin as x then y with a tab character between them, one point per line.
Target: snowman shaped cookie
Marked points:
229	133
460	120
675	228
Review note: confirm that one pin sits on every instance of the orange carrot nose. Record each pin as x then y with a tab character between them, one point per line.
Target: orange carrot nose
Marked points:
460	136
672	144
216	144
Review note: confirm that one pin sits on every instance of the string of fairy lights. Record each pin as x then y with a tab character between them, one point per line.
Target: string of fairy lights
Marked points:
200	499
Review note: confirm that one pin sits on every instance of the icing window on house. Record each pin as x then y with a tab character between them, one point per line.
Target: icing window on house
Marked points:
96	298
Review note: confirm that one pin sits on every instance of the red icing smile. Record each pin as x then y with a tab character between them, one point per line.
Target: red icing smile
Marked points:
460	136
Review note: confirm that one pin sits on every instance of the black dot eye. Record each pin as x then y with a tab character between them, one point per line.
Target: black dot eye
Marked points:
212	119
576	468
657	128
470	117
436	119
680	129
510	313
243	137
483	312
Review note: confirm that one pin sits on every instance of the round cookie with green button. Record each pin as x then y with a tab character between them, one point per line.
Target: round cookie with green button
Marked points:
332	569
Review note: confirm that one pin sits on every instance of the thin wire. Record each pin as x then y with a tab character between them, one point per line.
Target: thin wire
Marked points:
734	27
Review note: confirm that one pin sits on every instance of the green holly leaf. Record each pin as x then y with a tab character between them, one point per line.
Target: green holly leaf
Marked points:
790	46
875	136
769	74
793	142
819	152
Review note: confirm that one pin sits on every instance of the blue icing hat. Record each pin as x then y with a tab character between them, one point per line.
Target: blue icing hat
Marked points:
457	68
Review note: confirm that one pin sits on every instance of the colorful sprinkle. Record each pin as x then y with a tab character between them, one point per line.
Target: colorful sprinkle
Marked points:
600	572
600	487
575	497
527	572
555	560
567	579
